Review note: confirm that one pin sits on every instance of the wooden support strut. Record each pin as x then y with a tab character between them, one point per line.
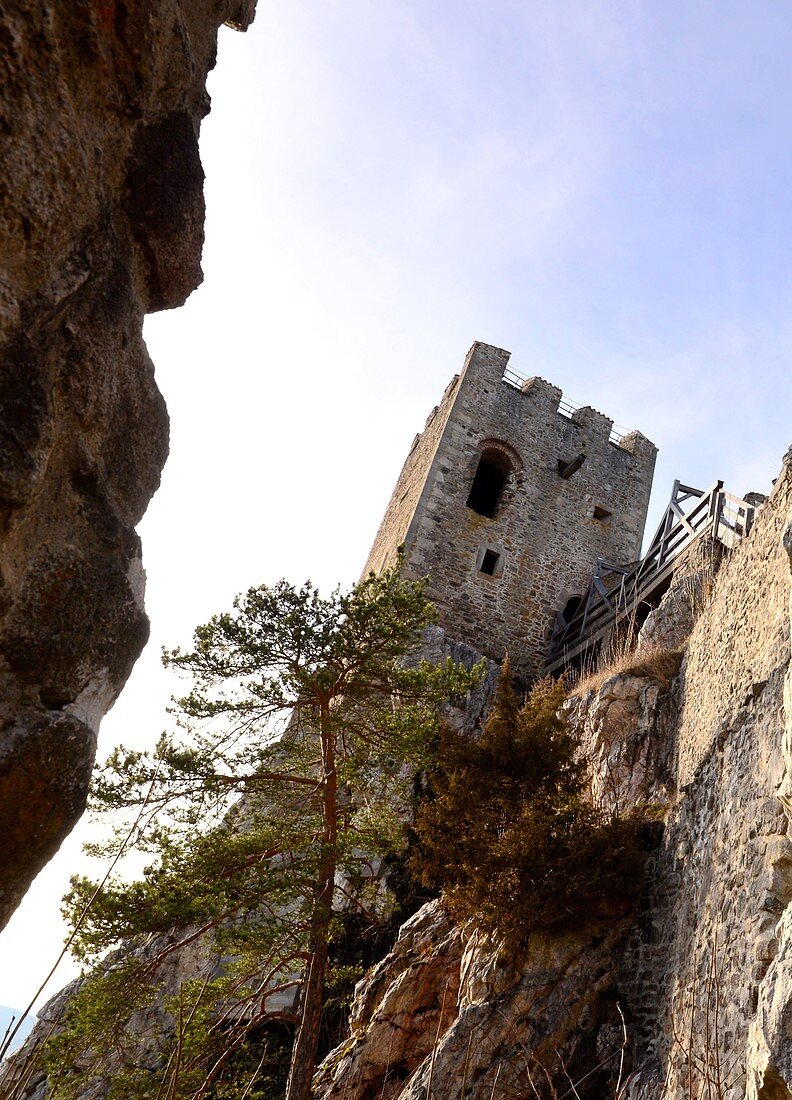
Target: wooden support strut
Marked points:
677	529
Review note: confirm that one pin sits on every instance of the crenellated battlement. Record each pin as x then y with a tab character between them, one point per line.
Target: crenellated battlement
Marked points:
581	414
507	499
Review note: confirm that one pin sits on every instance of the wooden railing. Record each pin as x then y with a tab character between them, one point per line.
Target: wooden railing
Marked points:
617	592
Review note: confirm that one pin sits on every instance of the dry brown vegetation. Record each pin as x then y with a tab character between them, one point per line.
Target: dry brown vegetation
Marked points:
660	665
507	832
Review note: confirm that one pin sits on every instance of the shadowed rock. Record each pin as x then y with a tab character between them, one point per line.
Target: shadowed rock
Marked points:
101	221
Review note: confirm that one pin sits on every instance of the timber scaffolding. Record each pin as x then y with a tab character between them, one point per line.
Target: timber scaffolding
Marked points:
624	595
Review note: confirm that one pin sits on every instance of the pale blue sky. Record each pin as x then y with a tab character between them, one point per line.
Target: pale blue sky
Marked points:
601	187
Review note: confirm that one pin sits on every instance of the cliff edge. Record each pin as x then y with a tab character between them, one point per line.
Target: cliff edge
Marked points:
101	222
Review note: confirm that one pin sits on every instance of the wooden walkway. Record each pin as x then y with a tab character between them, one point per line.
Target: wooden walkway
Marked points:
624	594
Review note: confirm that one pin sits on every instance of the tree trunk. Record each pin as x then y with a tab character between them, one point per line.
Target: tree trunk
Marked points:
303	1060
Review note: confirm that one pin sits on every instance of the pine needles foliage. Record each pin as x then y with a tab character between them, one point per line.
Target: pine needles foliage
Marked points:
508	834
317	712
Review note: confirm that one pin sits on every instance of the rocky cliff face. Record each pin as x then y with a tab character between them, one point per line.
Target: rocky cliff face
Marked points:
691	995
703	975
101	221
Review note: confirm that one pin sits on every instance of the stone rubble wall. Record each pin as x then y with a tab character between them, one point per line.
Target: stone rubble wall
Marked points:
716	913
101	221
544	528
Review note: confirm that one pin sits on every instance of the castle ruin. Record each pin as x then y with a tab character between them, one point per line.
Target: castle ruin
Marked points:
506	501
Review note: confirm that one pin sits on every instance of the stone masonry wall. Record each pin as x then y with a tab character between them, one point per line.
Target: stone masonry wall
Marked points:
404	500
544	528
710	958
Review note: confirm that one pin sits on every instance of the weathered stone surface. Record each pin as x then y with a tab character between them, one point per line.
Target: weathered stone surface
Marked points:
145	1033
547	530
446	1015
669	625
101	221
715	913
621	725
468	714
400	1009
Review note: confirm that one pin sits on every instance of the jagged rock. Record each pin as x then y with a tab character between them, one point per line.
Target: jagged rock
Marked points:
619	727
101	221
399	1010
548	1013
446	1014
437	646
668	626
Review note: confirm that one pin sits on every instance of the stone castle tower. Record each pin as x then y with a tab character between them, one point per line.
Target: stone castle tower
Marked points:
506	500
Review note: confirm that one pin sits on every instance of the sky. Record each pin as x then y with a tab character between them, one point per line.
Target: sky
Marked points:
600	187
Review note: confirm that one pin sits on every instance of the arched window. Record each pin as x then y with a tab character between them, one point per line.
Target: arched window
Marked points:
571	608
488	483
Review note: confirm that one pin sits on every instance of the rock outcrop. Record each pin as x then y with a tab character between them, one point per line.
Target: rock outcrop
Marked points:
704	974
691	994
669	625
101	221
446	1015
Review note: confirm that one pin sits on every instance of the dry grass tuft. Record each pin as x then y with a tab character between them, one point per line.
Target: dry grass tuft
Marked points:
660	665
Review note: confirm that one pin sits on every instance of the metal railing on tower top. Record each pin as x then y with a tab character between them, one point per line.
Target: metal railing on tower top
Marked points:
565	408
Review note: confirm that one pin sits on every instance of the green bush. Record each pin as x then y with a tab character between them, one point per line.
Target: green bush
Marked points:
507	833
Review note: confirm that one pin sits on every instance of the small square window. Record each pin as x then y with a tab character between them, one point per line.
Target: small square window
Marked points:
602	513
489	562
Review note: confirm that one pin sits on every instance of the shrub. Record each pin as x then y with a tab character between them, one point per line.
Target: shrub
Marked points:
507	833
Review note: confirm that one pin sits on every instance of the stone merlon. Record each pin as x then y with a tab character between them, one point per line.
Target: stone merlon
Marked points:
506	501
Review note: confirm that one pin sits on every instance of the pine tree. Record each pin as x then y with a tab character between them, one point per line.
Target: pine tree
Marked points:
312	709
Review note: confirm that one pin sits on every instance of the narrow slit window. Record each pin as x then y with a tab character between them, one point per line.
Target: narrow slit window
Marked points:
602	513
488	483
489	562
